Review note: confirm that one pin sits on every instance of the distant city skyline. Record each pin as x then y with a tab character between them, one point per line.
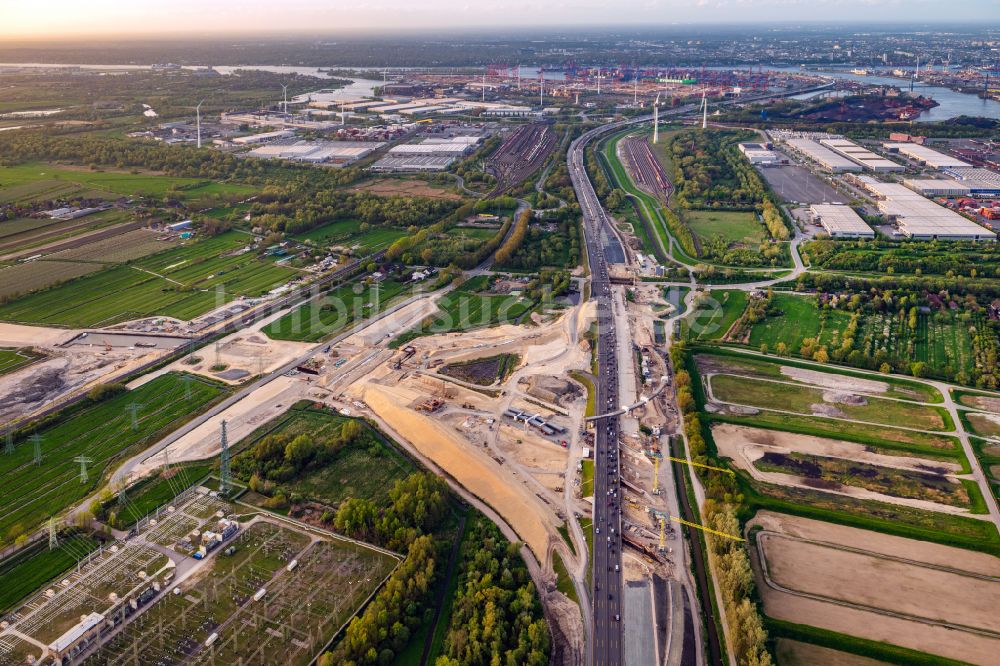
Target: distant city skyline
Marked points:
198	17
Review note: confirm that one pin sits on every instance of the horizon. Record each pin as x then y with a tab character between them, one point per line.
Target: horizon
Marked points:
145	19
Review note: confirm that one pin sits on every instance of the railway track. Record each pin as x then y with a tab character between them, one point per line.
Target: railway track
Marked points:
520	155
646	171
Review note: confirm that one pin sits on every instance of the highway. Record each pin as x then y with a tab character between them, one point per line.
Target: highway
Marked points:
600	240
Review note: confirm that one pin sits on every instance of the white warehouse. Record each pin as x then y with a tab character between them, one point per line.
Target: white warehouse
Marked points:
841	221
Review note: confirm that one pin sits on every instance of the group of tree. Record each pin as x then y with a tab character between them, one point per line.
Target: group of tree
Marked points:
496	616
547	248
907	257
416	506
514	241
281	457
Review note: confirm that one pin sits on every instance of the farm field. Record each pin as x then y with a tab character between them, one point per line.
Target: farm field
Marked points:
21	239
348	233
35	275
984	425
42	181
305	606
15	359
765	394
796	653
831	377
989	402
117	249
349	303
739	227
32	492
713	317
30	569
182	282
914	594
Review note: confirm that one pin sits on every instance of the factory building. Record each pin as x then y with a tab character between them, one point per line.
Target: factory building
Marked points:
918	217
841	221
758	153
824	157
317	152
866	158
924	155
264	137
937	187
981	182
433	153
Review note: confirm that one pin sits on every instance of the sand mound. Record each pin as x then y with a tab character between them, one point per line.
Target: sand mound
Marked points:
470	466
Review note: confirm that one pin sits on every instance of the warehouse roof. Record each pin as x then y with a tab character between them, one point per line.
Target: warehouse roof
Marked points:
926	155
841	220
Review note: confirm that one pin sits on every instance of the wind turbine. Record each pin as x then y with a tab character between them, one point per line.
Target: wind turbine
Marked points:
598	80
656	119
704	110
284	94
541	86
197	110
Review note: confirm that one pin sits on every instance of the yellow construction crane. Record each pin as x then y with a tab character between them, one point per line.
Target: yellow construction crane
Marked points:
663	533
656	476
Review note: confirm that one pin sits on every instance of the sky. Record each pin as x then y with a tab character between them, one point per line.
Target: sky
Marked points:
82	18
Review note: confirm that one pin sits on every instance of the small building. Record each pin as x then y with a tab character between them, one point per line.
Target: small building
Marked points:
758	153
77	639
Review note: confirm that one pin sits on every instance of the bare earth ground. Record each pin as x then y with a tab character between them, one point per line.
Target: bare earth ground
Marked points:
983	402
469	465
66	371
241	419
839	382
405	187
745	445
794	653
969	596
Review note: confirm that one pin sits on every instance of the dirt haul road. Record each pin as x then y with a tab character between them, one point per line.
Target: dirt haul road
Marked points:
475	470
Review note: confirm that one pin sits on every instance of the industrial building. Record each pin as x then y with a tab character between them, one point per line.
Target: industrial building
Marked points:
317	152
981	182
866	158
924	155
841	221
263	137
758	153
76	639
937	187
919	217
432	153
273	119
824	157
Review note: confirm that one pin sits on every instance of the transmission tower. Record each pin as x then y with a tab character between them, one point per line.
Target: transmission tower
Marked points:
187	387
83	460
224	462
53	540
36	439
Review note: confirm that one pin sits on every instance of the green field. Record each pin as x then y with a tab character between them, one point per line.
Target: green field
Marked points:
155	492
740	227
347	304
586	478
182	282
714	316
30	569
800	318
35	182
800	399
942	340
31	493
348	233
15	359
366	470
